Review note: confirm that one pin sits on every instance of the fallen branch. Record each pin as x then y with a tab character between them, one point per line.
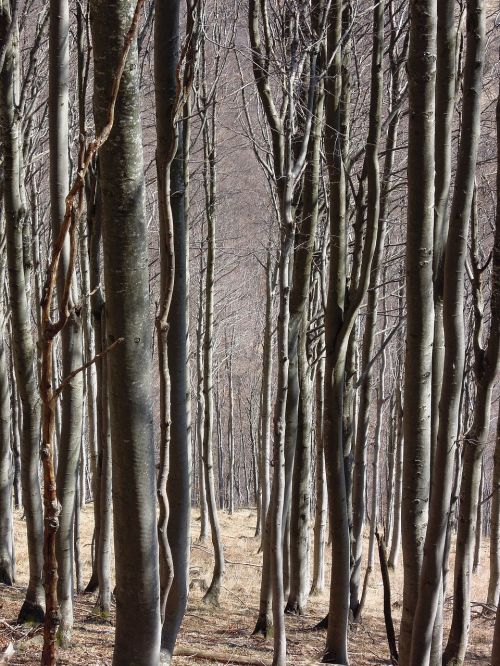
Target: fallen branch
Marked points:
241	564
83	367
219	656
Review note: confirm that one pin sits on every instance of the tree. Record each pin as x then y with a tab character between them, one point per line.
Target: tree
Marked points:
7	558
454	338
494	583
71	337
343	306
420	312
172	320
24	352
127	316
209	113
486	365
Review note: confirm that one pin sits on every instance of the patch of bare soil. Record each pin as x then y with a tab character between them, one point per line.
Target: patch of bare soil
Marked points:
227	630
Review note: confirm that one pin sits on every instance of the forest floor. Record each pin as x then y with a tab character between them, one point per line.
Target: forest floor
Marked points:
227	630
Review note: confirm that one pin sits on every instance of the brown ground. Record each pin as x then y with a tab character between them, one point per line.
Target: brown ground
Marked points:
228	629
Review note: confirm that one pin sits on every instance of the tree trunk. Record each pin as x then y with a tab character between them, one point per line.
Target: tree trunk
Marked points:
299	322
22	342
398	477
320	539
487	361
76	538
103	546
494	583
420	311
137	639
230	427
94	215
375	489
16	426
341	313
336	642
71	337
301	489
209	173
200	411
454	337
479	524
172	174
495	655
7	560
445	101
365	398
267	373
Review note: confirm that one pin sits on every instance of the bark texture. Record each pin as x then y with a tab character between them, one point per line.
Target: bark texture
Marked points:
421	69
23	347
137	639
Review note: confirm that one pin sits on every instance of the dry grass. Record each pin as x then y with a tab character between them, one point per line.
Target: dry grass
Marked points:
227	629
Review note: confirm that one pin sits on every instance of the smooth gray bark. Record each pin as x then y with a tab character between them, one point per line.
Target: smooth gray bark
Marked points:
16	426
421	69
445	101
454	337
210	185
171	148
486	366
137	638
398	478
22	341
71	336
200	409
479	524
267	373
7	560
494	582
299	322
341	312
320	538
103	545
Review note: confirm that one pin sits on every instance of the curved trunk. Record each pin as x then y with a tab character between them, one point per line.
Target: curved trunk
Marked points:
365	393
213	592
22	341
445	100
487	363
299	322
454	336
340	315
